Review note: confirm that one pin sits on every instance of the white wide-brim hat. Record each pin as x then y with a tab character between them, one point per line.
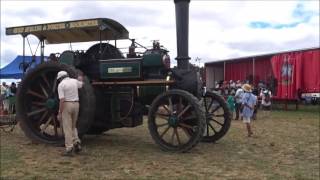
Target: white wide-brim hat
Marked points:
61	73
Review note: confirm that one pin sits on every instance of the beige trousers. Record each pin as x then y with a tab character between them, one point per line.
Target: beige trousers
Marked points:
69	123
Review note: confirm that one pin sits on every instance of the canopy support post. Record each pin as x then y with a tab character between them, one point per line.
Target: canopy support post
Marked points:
23	53
42	49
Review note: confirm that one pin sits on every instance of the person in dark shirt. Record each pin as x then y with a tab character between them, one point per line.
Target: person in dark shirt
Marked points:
13	89
255	91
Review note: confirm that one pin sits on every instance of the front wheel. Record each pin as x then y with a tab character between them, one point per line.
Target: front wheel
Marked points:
172	116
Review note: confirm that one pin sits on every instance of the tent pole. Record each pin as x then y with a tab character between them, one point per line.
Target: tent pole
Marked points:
42	49
23	54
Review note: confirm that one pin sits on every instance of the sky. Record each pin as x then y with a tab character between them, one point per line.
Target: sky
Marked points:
218	30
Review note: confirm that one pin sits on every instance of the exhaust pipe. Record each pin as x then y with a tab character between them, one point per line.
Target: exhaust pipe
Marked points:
182	29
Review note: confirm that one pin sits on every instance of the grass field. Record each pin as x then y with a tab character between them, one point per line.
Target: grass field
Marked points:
285	146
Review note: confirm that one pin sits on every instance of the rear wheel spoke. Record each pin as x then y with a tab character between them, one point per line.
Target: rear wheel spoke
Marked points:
36	94
42	118
38	103
36	111
46	124
45	80
44	91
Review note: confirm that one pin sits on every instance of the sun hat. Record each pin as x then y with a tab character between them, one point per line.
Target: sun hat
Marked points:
246	87
61	74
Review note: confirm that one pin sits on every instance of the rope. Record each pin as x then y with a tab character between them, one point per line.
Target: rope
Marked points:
31	48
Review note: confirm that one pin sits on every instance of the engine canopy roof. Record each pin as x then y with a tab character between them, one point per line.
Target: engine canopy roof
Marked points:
73	31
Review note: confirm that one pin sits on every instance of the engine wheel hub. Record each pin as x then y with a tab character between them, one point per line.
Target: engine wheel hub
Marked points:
51	103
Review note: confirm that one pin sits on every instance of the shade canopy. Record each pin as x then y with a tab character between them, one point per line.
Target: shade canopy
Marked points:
14	70
73	31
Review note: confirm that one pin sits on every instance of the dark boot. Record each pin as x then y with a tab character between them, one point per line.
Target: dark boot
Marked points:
77	147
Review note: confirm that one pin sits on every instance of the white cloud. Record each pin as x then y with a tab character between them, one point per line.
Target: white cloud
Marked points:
218	29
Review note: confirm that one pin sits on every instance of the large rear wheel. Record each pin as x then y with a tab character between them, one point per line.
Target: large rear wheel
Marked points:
218	117
38	104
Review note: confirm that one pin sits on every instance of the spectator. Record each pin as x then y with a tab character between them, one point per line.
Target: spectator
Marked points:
5	92
266	101
248	103
231	104
238	84
255	92
2	95
13	89
238	98
12	98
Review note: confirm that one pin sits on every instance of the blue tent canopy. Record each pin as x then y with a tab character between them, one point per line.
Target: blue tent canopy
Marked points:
14	70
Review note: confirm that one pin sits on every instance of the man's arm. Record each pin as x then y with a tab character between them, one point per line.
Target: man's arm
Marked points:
80	81
61	105
61	98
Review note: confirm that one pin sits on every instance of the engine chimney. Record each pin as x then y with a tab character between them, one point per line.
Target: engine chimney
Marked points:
182	28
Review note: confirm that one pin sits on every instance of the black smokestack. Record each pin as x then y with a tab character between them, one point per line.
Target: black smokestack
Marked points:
182	28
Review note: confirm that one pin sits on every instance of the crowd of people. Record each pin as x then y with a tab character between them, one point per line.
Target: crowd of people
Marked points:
7	98
245	99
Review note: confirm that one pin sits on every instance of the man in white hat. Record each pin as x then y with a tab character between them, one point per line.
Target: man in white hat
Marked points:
68	110
248	102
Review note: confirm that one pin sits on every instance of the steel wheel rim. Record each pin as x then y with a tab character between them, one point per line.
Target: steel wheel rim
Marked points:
215	116
172	121
41	102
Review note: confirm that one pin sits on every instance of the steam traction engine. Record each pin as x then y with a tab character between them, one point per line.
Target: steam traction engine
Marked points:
119	91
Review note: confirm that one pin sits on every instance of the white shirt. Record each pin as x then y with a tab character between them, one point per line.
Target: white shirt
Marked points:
238	95
68	89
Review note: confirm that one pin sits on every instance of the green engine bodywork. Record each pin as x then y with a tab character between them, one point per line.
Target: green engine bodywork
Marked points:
121	105
121	69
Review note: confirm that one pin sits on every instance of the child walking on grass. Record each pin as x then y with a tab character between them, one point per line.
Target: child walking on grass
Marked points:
231	105
248	103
